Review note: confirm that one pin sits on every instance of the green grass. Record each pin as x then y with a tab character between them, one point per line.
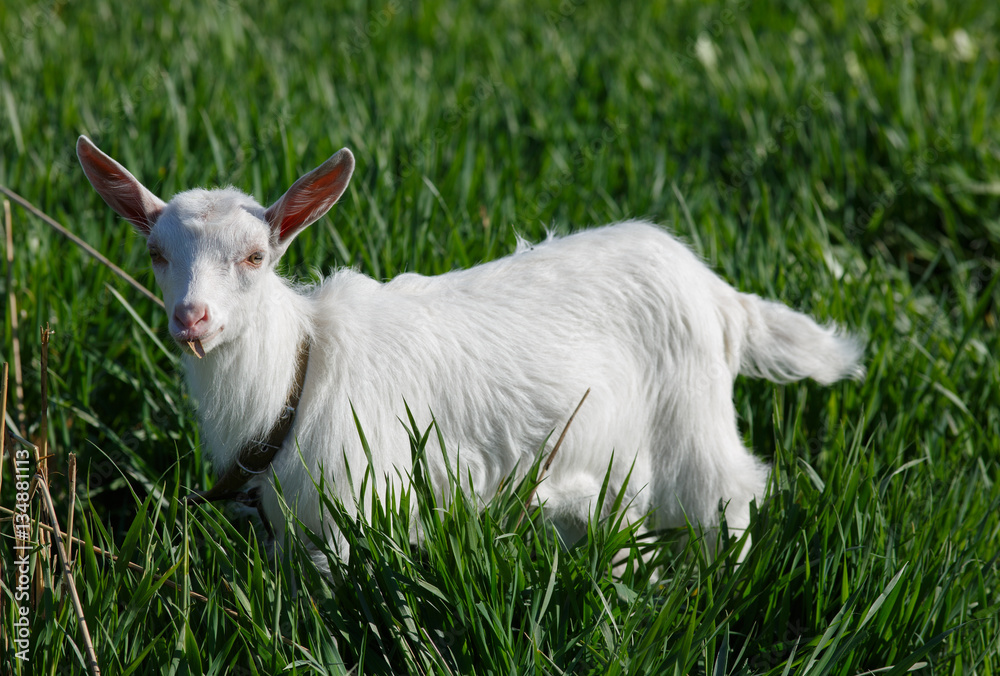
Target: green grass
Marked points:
843	158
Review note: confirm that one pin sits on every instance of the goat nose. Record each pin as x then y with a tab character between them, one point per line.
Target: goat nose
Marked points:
189	315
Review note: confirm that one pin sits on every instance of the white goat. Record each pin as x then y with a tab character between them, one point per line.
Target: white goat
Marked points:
501	354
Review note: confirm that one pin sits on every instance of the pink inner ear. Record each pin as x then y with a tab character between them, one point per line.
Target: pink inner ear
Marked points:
311	202
311	196
119	188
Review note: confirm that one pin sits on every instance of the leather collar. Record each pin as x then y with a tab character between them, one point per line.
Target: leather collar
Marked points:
256	455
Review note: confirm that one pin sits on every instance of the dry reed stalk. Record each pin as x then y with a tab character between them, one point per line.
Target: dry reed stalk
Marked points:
4	644
14	336
91	251
43	459
3	429
71	480
552	456
43	557
50	507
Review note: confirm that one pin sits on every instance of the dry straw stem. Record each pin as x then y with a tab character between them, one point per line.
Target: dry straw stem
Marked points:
3	424
42	464
12	304
94	253
24	442
71	480
4	644
43	460
39	481
433	645
552	456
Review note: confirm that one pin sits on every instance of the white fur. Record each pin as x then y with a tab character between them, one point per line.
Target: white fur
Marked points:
500	354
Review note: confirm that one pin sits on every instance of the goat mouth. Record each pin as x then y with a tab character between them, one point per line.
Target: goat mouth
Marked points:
195	343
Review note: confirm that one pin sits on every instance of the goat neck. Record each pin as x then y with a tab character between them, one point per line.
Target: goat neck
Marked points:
242	386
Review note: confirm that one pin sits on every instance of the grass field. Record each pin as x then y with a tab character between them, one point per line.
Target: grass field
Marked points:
841	157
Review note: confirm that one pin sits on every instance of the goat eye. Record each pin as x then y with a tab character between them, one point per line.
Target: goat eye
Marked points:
156	257
256	258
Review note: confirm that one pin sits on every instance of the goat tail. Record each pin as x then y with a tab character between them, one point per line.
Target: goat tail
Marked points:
783	345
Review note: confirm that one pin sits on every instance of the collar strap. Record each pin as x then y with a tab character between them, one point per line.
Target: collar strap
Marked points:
255	457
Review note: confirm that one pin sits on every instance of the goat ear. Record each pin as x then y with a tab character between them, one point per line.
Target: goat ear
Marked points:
310	197
119	188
